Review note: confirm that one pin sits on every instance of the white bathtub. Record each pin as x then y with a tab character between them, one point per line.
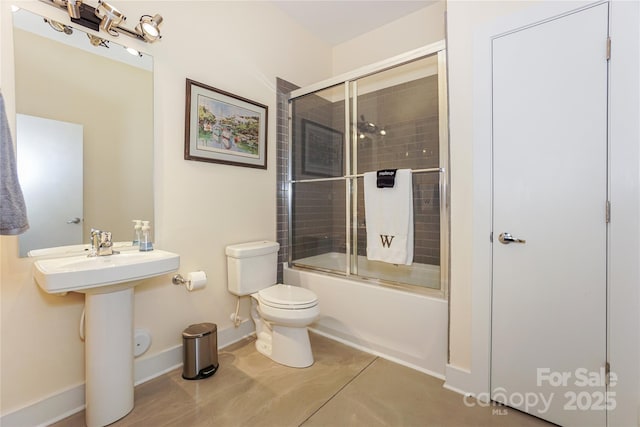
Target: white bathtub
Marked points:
423	275
405	327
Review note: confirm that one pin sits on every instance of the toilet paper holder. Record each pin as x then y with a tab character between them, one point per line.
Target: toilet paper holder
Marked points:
178	280
195	280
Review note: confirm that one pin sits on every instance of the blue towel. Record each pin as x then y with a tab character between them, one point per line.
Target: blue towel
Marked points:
13	212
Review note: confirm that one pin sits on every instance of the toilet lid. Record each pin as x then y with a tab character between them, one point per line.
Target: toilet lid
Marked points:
287	296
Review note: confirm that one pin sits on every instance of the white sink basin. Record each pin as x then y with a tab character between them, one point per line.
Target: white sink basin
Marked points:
81	273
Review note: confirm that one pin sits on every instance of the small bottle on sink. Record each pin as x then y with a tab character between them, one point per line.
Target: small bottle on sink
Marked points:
145	240
137	232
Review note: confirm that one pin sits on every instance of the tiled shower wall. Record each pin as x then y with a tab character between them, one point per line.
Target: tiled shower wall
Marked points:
283	87
409	114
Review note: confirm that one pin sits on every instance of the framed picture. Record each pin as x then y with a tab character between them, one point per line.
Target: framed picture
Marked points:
224	128
322	150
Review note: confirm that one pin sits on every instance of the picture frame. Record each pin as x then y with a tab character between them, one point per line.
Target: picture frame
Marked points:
221	127
322	150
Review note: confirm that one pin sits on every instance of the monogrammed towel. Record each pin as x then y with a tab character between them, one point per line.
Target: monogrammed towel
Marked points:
389	219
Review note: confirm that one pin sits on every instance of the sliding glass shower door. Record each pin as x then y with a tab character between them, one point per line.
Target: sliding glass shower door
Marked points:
393	117
317	229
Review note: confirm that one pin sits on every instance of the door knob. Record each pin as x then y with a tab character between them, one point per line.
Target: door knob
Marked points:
75	220
506	238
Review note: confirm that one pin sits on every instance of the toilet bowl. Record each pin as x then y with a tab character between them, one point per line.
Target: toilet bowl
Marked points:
280	312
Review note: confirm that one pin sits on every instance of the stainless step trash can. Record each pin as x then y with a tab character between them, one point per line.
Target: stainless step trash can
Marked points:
200	351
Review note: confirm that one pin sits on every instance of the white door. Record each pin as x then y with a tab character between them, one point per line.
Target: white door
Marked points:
49	155
550	190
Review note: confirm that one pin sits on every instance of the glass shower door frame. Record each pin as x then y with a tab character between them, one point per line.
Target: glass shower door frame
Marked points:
350	84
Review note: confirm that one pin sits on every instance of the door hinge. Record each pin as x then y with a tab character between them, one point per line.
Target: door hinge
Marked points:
608	48
491	237
607	215
607	373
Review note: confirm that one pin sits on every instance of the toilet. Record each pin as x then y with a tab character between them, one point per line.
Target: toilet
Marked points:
281	312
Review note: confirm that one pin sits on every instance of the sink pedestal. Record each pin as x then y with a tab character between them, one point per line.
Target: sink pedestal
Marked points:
108	355
107	282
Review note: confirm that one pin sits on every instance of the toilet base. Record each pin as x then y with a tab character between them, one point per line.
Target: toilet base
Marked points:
286	346
263	343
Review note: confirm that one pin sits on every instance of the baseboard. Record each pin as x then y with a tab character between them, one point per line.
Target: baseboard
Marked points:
377	353
60	405
458	380
48	410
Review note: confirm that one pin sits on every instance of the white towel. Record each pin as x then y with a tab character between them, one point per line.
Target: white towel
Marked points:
13	212
389	219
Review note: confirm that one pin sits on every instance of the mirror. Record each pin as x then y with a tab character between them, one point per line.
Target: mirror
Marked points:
65	78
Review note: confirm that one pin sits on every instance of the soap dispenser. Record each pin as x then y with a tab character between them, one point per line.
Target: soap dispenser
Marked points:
145	241
137	232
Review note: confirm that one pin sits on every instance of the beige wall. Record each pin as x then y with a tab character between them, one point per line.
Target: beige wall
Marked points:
464	18
415	30
239	47
118	133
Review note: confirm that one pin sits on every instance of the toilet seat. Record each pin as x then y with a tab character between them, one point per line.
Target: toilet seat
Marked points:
288	297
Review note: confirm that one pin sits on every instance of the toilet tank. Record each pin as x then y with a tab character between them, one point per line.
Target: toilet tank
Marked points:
251	266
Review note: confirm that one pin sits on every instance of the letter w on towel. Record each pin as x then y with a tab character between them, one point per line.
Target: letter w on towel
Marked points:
389	215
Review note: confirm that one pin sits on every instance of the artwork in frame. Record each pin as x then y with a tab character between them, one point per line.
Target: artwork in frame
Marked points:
322	150
224	128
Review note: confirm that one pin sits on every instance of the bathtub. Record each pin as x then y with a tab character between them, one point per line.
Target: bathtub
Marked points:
406	327
424	275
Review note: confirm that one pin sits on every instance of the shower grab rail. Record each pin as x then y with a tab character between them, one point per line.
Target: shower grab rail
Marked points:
359	175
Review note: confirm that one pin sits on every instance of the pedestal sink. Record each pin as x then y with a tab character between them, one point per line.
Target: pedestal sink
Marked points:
107	282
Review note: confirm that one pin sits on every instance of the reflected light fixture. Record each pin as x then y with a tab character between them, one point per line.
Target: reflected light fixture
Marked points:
133	51
59	27
97	41
108	18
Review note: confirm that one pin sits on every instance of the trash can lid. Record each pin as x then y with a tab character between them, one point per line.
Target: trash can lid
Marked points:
199	330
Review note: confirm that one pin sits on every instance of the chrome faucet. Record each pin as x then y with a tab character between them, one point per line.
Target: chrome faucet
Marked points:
101	244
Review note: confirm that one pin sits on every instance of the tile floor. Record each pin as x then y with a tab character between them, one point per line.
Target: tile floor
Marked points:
344	387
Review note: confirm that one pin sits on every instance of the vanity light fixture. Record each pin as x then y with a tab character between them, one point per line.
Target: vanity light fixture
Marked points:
148	27
108	18
73	8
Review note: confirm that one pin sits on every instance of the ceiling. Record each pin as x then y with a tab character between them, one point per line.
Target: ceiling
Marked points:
335	22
